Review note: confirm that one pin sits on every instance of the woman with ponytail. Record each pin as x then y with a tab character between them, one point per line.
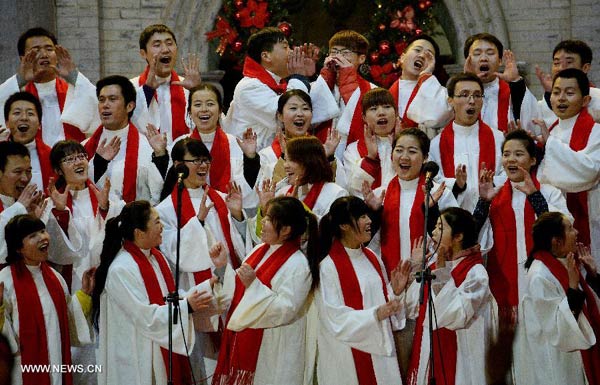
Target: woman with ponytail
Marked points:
37	315
264	341
357	306
129	308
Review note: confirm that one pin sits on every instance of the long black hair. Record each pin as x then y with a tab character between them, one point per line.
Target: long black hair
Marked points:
135	215
192	146
548	226
461	222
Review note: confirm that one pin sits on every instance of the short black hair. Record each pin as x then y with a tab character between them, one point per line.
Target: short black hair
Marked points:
10	148
423	36
483	36
462	77
577	47
579	75
127	88
461	221
522	136
15	232
151	30
209	87
62	149
377	97
420	135
350	39
283	99
263	40
33	32
26	96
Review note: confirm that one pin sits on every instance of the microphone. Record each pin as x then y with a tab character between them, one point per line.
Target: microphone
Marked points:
431	170
182	172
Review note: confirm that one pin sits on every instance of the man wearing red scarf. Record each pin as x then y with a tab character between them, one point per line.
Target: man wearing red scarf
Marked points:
161	94
47	71
270	69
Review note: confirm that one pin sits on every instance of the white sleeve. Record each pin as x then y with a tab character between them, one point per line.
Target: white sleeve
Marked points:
81	106
9	87
325	106
430	106
15	209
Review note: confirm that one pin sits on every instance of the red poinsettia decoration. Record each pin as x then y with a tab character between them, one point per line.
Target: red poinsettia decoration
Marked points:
255	14
225	32
384	75
404	20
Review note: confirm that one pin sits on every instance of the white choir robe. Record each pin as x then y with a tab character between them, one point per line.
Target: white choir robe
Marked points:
466	151
281	312
466	310
356	175
158	113
489	110
342	328
132	331
80	330
429	108
149	180
254	105
408	191
11	210
552	337
550	117
80	109
575	171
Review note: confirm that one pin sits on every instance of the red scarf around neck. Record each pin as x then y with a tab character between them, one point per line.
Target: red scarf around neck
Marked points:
252	69
395	90
33	336
503	104
181	368
390	222
131	159
487	148
591	356
444	359
93	199
353	298
357	128
220	170
503	262
43	151
578	202
276	147
313	194
178	103
71	131
238	355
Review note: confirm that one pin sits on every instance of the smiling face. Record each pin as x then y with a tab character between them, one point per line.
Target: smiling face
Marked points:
485	60
199	169
359	231
162	47
413	60
45	64
205	110
296	117
35	247
23	121
407	157
568	243
114	113
295	172
466	106
442	237
152	236
566	98
74	168
380	118
16	175
515	155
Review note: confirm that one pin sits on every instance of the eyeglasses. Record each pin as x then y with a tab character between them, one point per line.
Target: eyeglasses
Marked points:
74	158
198	161
343	52
474	95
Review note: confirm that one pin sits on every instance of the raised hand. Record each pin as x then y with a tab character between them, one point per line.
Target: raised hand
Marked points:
281	138
58	199
88	281
429	66
247	274
234	200
437	194
573	270
109	150
4	133
38	205
460	174
204	209
513	126
545	133
371	142
64	61
373	201
102	195
191	72
544	78
218	255
27	66
584	255
388	309
527	187
199	300
157	141
311	57
487	191
266	192
28	195
332	141
400	275
248	143
468	67
511	72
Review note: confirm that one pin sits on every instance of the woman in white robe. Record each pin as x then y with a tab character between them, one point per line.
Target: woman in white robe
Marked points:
129	309
37	315
355	328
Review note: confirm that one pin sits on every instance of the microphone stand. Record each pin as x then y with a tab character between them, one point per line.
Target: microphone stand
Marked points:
173	297
424	277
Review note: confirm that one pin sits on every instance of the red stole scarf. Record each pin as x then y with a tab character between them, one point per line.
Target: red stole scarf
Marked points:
93	199
131	159
395	90
354	299
390	222
503	104
502	263
591	356
252	69
578	202
188	212
71	132
487	148
33	335
238	355
357	128
181	369
220	172
178	126
276	147
311	198
442	337
43	151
